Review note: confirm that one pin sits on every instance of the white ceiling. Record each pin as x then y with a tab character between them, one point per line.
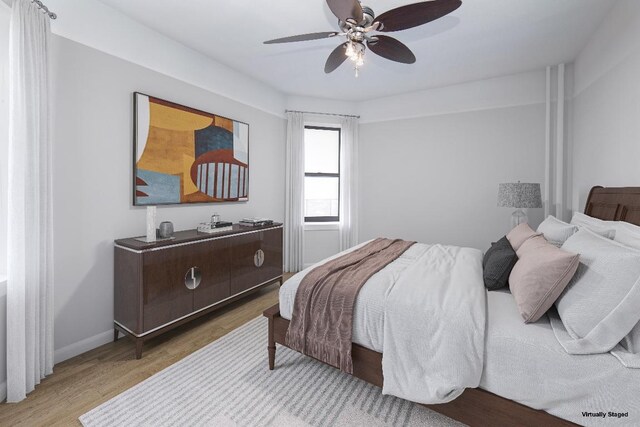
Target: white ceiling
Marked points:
482	39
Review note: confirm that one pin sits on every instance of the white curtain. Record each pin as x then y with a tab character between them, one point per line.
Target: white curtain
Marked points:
29	259
294	198
349	183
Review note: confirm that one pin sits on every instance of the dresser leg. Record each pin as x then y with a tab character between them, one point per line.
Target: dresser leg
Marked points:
115	334
271	346
139	343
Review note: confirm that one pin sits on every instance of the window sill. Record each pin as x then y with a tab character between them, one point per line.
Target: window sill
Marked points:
321	226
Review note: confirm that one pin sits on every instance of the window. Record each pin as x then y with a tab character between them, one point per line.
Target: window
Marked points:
321	174
4	131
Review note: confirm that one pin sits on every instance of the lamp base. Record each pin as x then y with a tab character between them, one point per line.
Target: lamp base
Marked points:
518	217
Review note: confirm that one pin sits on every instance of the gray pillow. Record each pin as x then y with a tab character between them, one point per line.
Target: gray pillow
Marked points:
497	264
599	307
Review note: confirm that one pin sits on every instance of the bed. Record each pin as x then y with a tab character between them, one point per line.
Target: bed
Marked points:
515	353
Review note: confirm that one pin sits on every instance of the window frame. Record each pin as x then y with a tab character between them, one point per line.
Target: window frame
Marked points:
324	219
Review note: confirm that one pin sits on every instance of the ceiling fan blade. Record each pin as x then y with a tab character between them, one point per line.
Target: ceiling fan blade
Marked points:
346	9
392	49
303	37
413	15
336	58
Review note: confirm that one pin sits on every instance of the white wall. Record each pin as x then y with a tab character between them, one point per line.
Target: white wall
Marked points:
435	179
320	242
505	91
92	134
431	161
606	141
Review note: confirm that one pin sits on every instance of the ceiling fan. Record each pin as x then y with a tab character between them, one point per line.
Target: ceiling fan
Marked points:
358	22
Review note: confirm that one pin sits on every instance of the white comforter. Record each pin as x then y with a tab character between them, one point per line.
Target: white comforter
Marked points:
434	326
434	306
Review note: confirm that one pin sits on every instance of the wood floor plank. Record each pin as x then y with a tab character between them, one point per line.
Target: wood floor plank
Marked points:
80	384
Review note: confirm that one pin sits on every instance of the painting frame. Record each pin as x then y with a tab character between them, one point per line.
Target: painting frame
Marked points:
237	170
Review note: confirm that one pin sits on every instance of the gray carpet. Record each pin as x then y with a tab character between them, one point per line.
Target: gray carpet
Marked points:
228	383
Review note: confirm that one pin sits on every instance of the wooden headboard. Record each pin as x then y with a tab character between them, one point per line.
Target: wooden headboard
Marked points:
614	204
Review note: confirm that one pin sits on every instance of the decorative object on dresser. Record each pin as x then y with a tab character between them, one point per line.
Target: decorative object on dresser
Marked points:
519	195
255	222
165	230
162	285
214	227
151	224
184	155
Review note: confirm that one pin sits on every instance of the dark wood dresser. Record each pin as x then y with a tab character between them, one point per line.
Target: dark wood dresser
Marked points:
162	285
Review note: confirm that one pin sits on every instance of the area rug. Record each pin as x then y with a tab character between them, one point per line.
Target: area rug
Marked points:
228	383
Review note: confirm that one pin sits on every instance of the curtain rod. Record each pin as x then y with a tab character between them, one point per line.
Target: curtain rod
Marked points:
321	114
45	9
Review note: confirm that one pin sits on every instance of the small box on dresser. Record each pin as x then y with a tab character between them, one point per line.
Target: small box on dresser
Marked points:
162	285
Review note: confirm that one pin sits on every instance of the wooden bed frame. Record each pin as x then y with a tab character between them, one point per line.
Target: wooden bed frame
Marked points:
477	407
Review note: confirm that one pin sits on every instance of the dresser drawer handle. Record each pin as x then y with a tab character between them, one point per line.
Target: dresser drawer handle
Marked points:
258	258
192	278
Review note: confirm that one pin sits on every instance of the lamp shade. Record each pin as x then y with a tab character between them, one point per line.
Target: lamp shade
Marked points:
519	195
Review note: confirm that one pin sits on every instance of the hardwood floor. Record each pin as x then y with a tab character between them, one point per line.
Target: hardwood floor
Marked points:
85	381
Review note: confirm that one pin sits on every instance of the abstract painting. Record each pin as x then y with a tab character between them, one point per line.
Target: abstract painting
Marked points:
183	155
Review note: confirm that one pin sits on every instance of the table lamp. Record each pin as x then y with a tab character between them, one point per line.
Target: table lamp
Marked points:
519	195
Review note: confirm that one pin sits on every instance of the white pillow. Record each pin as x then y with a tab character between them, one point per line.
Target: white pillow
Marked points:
628	234
598	226
628	351
555	231
600	305
632	341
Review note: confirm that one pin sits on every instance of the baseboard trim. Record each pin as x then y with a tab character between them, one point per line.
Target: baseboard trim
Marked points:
3	391
82	346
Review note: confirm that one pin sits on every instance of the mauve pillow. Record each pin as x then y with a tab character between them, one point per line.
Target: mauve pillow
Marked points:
519	234
497	264
540	275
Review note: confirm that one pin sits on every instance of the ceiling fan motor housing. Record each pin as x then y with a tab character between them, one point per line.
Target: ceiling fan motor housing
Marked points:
368	15
367	19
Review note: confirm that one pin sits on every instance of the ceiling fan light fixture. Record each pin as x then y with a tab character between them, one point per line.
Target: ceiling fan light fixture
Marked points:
355	52
350	50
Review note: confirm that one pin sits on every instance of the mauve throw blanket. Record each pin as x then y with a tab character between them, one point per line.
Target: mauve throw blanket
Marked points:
322	319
